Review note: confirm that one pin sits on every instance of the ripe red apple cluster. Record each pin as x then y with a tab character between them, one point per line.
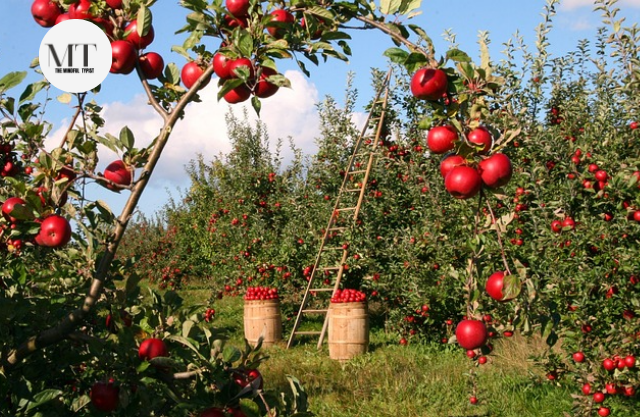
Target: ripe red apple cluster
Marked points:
567	224
348	295
261	293
617	362
10	165
126	39
209	314
55	230
462	178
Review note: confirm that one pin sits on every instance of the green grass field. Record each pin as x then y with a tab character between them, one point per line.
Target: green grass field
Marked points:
412	380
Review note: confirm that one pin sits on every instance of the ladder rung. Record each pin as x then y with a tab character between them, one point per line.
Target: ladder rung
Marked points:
321	290
358	171
330	268
337	229
334	248
353	190
315	311
346	209
308	333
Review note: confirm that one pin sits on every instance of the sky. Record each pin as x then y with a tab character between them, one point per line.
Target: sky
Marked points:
291	112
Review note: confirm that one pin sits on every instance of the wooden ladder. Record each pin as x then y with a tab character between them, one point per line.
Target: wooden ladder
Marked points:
358	170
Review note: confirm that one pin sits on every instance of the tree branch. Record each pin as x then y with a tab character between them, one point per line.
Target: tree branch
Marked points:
59	332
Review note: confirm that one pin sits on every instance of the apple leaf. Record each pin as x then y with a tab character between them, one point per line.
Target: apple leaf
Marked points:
408	6
458	56
126	138
64	98
11	80
229	85
171	74
257	105
332	36
322	12
390	6
31	90
44	397
244	42
231	354
143	22
397	55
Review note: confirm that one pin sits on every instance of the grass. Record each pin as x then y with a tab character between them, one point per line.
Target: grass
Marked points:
414	380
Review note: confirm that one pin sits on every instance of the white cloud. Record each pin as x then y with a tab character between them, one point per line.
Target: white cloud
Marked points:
575	4
289	113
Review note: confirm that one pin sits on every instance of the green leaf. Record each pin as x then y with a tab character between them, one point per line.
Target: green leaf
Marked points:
408	6
143	21
44	397
171	74
458	55
229	85
126	138
32	89
231	354
244	42
187	325
257	105
184	341
11	80
397	55
389	6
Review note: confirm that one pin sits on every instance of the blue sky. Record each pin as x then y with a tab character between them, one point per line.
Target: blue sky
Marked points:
288	113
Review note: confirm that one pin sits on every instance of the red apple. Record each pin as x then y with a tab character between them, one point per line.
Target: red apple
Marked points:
441	139
118	173
238	95
151	65
481	136
115	4
55	232
240	63
152	348
471	334
449	162
238	8
556	226
569	222
80	10
495	170
604	411
495	285
9	205
429	84
578	357
221	65
45	12
609	365
138	40
283	20
104	396
463	182
586	389
123	57
190	73
63	17
264	88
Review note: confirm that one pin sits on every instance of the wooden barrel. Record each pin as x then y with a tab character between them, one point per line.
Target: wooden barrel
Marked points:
262	317
348	330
